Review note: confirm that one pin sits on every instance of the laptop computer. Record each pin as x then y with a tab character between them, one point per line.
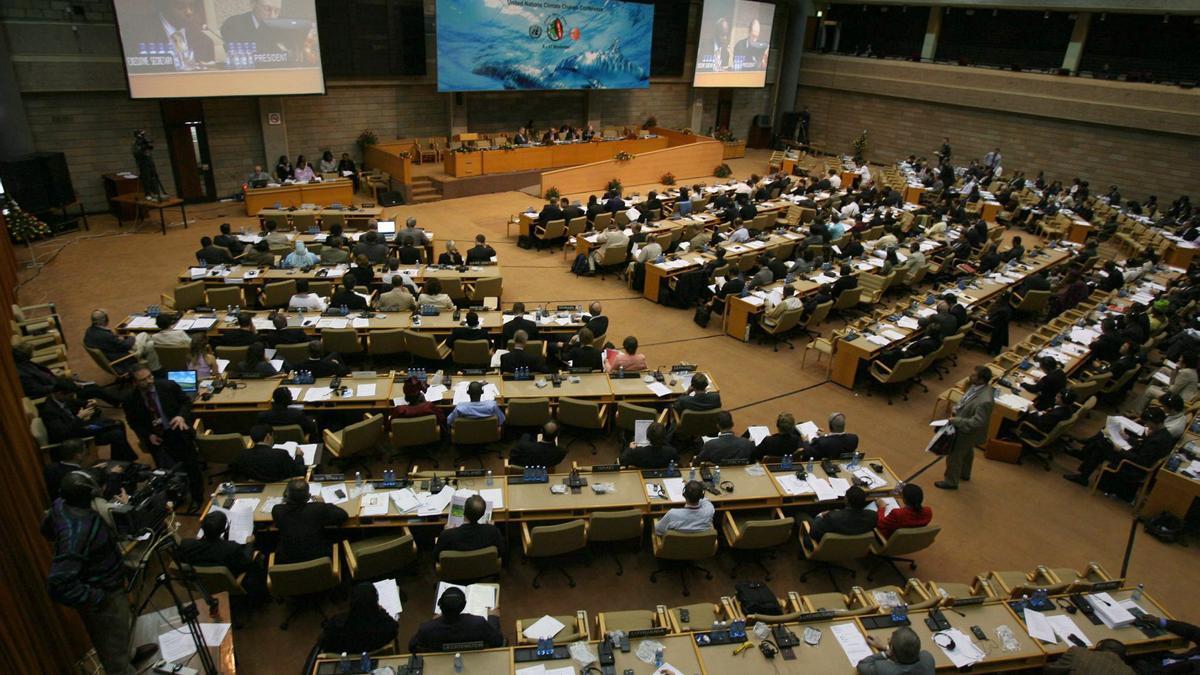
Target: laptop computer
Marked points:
186	379
386	228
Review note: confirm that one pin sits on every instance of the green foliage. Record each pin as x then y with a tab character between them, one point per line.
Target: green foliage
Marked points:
722	171
552	193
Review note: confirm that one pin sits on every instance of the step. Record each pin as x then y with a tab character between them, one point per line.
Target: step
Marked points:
423	199
427	192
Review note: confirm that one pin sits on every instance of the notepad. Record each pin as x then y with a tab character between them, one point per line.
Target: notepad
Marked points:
758	433
852	642
365	390
808	430
791	485
309	450
374	504
545	627
658	389
480	597
435	393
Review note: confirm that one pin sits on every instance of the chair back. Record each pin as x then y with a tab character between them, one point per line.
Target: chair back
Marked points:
580	414
843	547
303	578
233	354
173	357
225	296
1086	388
321	289
385	342
37	429
818	314
340	340
221	448
787	321
1033	302
602	221
218	579
552	540
292	353
576	226
382	556
452	286
949	346
422	345
288	432
360	438
467	565
101	360
487	287
475	430
527	412
678	545
908	540
554	229
765	533
848	298
414	431
472	353
278	293
622	525
304	221
330	219
612	255
189	295
696	423
628	414
906	369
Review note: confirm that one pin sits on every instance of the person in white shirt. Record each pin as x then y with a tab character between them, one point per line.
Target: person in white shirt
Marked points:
788	303
740	234
145	343
992	160
613	237
305	300
835	180
864	174
850	210
648	253
696	515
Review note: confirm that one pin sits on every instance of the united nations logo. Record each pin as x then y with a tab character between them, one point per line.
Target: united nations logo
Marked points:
535	31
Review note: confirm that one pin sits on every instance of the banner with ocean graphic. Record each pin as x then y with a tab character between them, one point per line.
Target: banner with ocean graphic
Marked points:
494	45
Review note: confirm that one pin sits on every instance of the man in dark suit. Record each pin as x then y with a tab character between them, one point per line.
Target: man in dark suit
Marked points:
518	357
266	463
613	203
212	255
726	445
215	550
597	322
229	242
697	396
65	416
543	451
161	415
582	354
285	335
778	269
480	252
1015	252
346	296
656	454
833	444
69	456
1054	381
100	336
845	282
282	414
550	211
785	441
746	211
471	535
652	202
173	23
1144	450
518	323
242	336
957	310
320	364
471	331
253	27
855	518
370	246
409	254
301	524
37	381
452	626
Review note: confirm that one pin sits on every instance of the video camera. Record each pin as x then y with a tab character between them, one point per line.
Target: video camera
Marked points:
150	490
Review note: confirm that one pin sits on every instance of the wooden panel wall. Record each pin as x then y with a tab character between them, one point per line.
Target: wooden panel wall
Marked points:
693	160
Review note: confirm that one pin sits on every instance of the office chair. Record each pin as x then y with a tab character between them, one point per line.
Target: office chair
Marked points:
678	551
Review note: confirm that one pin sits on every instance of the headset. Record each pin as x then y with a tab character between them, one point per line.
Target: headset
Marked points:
727	486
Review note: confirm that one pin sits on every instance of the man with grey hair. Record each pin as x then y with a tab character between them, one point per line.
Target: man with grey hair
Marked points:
833	444
902	656
100	336
413	233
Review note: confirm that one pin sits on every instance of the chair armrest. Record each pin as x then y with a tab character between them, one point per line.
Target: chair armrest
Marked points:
331	441
796	602
337	562
582	626
198	426
731	526
526	538
1032	431
1128	462
860	597
661	616
729	609
122	359
602	413
663	415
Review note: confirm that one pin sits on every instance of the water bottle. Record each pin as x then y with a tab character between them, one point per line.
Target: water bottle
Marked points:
716	475
621	372
671	468
488	479
365	664
658	657
691	473
786	463
1174	462
809	467
358	480
458	666
899	613
1024	602
1138	592
344	663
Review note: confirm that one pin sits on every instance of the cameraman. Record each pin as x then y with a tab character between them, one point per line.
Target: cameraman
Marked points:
69	456
87	570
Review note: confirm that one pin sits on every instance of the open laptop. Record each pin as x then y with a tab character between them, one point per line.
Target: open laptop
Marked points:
386	229
186	379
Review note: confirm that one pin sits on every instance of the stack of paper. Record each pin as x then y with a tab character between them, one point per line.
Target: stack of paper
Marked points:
758	433
309	450
1110	611
435	393
373	504
435	504
1114	427
824	490
1064	627
406	500
965	652
791	485
674	488
852	642
545	627
335	494
480	597
808	430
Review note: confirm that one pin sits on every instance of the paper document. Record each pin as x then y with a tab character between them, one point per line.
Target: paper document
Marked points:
309	450
373	504
640	427
791	485
318	394
1013	401
178	644
365	390
435	393
965	651
1116	424
674	488
270	503
222	364
1064	627
758	433
1038	627
405	500
436	504
808	430
839	485
545	627
337	493
493	496
824	490
659	389
852	641
389	597
480	597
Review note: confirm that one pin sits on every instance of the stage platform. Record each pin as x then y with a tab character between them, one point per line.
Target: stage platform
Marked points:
452	188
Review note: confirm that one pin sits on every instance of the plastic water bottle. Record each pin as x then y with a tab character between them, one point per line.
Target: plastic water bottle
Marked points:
458	665
1138	592
691	473
900	613
658	657
621	372
344	663
1024	601
488	480
671	468
786	463
809	467
365	664
358	479
716	475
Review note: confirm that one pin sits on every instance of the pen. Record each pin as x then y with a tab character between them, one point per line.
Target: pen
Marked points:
742	647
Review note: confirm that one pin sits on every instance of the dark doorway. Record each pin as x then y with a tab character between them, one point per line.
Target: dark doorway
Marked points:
187	144
724	108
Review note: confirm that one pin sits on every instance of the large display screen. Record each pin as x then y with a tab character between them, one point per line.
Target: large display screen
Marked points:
187	48
489	45
735	40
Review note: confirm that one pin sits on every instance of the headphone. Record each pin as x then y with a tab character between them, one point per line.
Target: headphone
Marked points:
944	641
727	486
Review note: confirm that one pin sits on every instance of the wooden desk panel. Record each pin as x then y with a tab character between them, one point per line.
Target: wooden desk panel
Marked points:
1134	639
535	501
323	193
1171	492
826	657
989	618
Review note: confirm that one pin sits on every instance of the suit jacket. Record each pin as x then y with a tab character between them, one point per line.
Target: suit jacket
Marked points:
448	258
1047	388
239	558
549	212
350	299
466	333
107	342
727	446
409	255
351	633
282	416
1083	660
598	325
708	400
777	445
61	422
831	446
302	530
481	254
844	521
880	664
519	358
970	418
572	212
36	380
650	456
519	323
470	537
171	399
230	242
464	628
334	256
269	465
241	28
584	356
530	452
214	255
323	367
289	336
844	284
239	337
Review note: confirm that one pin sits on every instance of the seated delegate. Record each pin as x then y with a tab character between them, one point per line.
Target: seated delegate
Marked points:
451	626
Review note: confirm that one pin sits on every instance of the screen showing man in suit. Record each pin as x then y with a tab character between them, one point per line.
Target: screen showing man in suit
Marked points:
232	48
735	41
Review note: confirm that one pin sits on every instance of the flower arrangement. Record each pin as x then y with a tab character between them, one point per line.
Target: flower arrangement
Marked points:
552	193
623	156
404	155
724	135
722	171
650	122
614	186
366	137
686	131
463	149
668	178
860	145
22	225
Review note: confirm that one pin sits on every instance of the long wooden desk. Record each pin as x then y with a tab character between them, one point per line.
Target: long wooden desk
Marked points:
249	275
849	355
1172	492
340	191
989	617
353	215
531	157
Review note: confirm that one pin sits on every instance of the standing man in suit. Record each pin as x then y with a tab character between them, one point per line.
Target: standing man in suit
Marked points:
518	323
100	336
726	445
970	422
519	357
697	398
160	414
833	444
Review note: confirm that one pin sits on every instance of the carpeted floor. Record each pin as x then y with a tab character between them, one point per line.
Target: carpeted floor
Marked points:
1008	517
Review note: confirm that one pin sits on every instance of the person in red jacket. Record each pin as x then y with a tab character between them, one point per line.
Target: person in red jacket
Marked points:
911	513
415	403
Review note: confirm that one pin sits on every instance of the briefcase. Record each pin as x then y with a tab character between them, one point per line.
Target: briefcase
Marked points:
1002	451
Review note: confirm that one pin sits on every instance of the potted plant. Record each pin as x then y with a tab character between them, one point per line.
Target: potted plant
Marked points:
623	156
722	171
860	146
552	193
668	178
614	186
365	137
